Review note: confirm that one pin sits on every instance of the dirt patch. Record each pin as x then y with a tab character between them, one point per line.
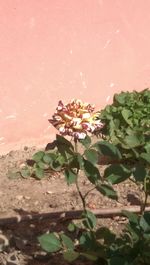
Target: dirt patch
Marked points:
28	196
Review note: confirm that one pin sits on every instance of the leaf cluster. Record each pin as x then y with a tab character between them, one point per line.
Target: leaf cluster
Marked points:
126	147
102	246
127	125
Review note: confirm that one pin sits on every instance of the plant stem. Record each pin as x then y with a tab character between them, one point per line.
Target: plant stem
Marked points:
87	193
77	184
143	206
81	195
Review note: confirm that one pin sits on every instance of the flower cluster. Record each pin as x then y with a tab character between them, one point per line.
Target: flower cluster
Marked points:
75	119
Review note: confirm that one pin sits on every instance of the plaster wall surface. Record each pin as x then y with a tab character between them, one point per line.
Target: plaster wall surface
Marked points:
64	49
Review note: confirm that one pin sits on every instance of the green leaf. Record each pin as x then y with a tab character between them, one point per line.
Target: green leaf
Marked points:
120	98
117	173
126	114
106	234
67	242
91	172
65	148
108	149
42	165
145	157
134	231
76	161
89	256
147	148
90	220
132	141
70	255
79	158
50	242
56	165
60	159
25	172
49	157
71	227
86	241
107	190
51	146
61	140
70	176
118	261
91	155
39	172
38	156
132	217
145	222
86	142
139	173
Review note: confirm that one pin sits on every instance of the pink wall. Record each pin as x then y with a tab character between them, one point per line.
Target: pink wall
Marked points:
63	49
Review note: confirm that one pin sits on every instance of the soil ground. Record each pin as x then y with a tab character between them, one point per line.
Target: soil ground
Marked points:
27	196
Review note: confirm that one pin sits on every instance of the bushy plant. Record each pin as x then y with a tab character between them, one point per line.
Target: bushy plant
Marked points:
125	126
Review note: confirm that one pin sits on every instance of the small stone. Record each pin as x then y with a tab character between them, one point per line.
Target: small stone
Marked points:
12	260
91	205
22	165
27	197
19	197
49	192
3	242
36	203
25	148
32	225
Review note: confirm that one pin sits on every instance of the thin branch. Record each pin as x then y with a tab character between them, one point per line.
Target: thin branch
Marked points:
87	193
81	195
77	184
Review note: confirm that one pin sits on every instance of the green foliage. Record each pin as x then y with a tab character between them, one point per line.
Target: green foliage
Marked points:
67	242
86	142
70	255
25	172
107	190
91	155
107	149
37	157
117	173
70	176
126	147
50	242
132	246
89	220
91	171
127	125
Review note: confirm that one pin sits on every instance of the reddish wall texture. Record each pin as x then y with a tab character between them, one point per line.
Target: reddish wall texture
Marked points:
64	49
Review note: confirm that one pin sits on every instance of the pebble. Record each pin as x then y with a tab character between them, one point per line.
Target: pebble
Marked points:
26	148
49	192
22	165
27	197
12	260
19	197
3	242
32	225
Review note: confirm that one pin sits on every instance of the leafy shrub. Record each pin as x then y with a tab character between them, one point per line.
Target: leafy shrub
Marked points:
127	146
127	124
